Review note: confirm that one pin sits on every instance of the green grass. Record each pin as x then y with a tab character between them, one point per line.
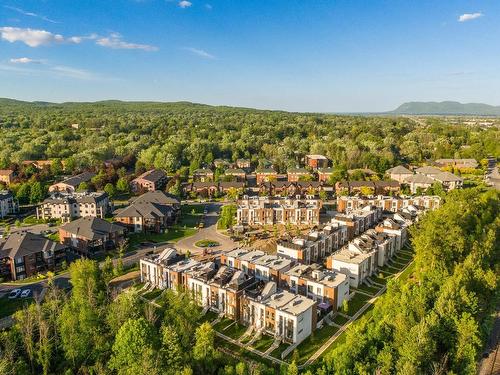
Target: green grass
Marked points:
276	353
223	323
235	331
54	237
207	243
311	344
174	234
191	215
263	343
153	294
339	341
406	273
356	303
208	317
340	320
368	289
10	306
242	352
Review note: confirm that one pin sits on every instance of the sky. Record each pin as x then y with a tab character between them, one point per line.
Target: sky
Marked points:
295	55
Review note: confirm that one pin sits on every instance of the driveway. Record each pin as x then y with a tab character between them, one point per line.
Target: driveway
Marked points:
208	232
37	228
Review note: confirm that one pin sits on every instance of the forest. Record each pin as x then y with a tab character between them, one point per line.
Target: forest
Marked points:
178	136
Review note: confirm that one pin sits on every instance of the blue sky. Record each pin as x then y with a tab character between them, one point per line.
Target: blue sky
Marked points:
298	55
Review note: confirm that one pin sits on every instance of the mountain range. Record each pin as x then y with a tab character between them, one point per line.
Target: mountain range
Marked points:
446	108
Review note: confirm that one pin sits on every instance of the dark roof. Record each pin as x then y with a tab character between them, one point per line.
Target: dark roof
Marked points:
157	196
391	183
78	179
154	175
399	170
202	185
20	244
5	194
203	171
234	171
230	184
297	170
78	198
92	228
147	210
361	184
265	170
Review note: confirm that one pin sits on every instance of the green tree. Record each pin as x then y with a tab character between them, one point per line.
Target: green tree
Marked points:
36	192
23	193
122	185
110	189
172	353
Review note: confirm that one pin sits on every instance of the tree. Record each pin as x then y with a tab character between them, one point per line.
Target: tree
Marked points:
135	343
122	185
110	189
176	188
172	353
367	191
84	186
107	270
36	192
227	216
204	350
23	193
124	307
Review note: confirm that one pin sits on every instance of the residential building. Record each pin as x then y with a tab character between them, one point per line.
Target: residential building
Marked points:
203	175
324	174
355	261
152	267
265	175
70	185
387	203
8	204
25	254
315	246
266	210
399	173
152	180
153	212
457	163
297	174
428	171
243	164
448	180
418	182
328	288
90	235
68	206
316	161
359	220
6	176
237	174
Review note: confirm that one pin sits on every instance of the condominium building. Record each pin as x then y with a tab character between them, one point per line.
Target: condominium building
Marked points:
8	204
69	206
387	203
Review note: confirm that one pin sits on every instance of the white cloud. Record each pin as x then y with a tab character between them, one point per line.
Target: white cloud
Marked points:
200	53
24	60
30	14
469	16
33	37
185	4
115	41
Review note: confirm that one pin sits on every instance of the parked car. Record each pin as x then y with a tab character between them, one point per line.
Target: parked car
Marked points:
51	224
26	293
14	293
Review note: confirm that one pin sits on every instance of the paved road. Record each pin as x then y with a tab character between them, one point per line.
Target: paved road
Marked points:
38	228
208	232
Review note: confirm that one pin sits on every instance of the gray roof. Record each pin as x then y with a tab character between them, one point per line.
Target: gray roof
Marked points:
428	170
147	210
78	179
157	196
20	244
5	194
154	175
399	170
93	197
419	179
234	171
92	228
447	177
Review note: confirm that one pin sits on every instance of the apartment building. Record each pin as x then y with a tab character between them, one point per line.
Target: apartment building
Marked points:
152	267
316	161
315	246
387	203
265	175
296	174
6	176
276	210
69	206
328	288
354	261
359	220
152	180
70	185
8	204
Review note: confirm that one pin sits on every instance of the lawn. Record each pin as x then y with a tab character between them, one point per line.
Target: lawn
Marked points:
369	289
10	306
407	273
263	343
356	302
235	330
208	317
191	215
174	234
276	353
310	345
153	294
340	320
223	323
242	352
207	243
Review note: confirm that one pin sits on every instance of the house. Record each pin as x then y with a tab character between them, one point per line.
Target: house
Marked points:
221	163
315	246
387	187
418	181
8	204
284	315
150	212
152	267
225	187
297	174
328	288
448	180
316	161
277	210
152	180
238	174
398	173
428	171
243	164
354	261
68	206
324	174
71	184
25	254
89	235
387	203
399	229
457	163
203	175
265	175
270	267
38	164
359	220
6	176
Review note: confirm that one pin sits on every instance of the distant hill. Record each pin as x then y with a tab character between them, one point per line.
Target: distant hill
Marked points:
446	108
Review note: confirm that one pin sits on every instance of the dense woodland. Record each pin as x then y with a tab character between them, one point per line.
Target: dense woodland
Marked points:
173	136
